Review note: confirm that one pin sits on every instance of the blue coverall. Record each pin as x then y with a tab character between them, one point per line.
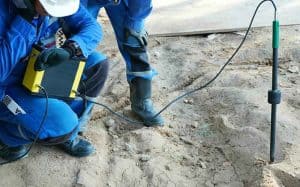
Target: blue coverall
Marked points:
16	39
129	14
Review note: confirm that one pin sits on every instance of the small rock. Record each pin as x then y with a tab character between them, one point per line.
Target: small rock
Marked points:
202	165
187	141
130	148
293	69
167	168
188	101
110	123
187	161
168	134
209	184
240	33
115	136
211	37
283	85
156	54
145	158
208	160
226	164
186	157
293	81
260	162
195	125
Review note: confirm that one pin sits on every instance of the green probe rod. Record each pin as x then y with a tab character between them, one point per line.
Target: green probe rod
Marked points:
274	95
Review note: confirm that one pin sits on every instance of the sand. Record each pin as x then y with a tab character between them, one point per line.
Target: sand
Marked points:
216	137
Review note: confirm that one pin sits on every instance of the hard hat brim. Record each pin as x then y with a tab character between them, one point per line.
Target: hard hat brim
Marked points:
68	8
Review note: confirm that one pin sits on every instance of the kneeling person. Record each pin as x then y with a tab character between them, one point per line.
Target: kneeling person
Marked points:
25	23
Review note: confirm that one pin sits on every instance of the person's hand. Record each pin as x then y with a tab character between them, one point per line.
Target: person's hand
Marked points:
136	38
73	48
51	57
26	9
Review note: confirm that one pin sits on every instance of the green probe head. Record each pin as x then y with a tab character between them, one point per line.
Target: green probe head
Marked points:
276	29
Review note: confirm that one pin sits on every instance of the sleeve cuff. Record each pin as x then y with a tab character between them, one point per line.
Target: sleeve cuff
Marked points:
24	28
81	44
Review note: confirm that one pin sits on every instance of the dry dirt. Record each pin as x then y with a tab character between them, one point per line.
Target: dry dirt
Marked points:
215	137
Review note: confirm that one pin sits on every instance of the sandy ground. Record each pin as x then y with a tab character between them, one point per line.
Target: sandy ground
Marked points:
216	137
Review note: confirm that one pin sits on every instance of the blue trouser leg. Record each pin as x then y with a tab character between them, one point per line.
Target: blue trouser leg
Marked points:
137	63
94	77
93	7
139	72
60	119
136	58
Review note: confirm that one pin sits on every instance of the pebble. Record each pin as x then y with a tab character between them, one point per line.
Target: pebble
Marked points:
145	158
187	141
188	101
115	136
130	148
110	123
156	54
226	164
202	165
195	125
186	157
241	34
211	37
293	69
260	162
167	168
209	184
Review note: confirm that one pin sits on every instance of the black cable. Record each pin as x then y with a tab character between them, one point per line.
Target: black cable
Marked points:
37	134
116	114
209	82
167	106
228	61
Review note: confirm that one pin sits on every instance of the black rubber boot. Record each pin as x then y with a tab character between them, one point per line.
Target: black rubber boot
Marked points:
141	103
12	153
78	147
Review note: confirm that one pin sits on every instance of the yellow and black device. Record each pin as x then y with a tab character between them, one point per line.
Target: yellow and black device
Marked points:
60	81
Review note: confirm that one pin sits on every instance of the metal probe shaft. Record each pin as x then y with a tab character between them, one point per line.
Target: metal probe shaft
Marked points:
274	95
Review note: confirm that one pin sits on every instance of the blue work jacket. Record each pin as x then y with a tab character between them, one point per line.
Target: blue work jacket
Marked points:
17	37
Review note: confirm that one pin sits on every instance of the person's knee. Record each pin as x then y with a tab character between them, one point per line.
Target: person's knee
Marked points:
61	120
94	58
95	77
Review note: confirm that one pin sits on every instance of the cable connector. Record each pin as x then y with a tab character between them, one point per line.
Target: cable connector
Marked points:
274	97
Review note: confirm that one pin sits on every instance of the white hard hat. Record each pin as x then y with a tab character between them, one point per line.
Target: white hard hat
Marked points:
60	8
